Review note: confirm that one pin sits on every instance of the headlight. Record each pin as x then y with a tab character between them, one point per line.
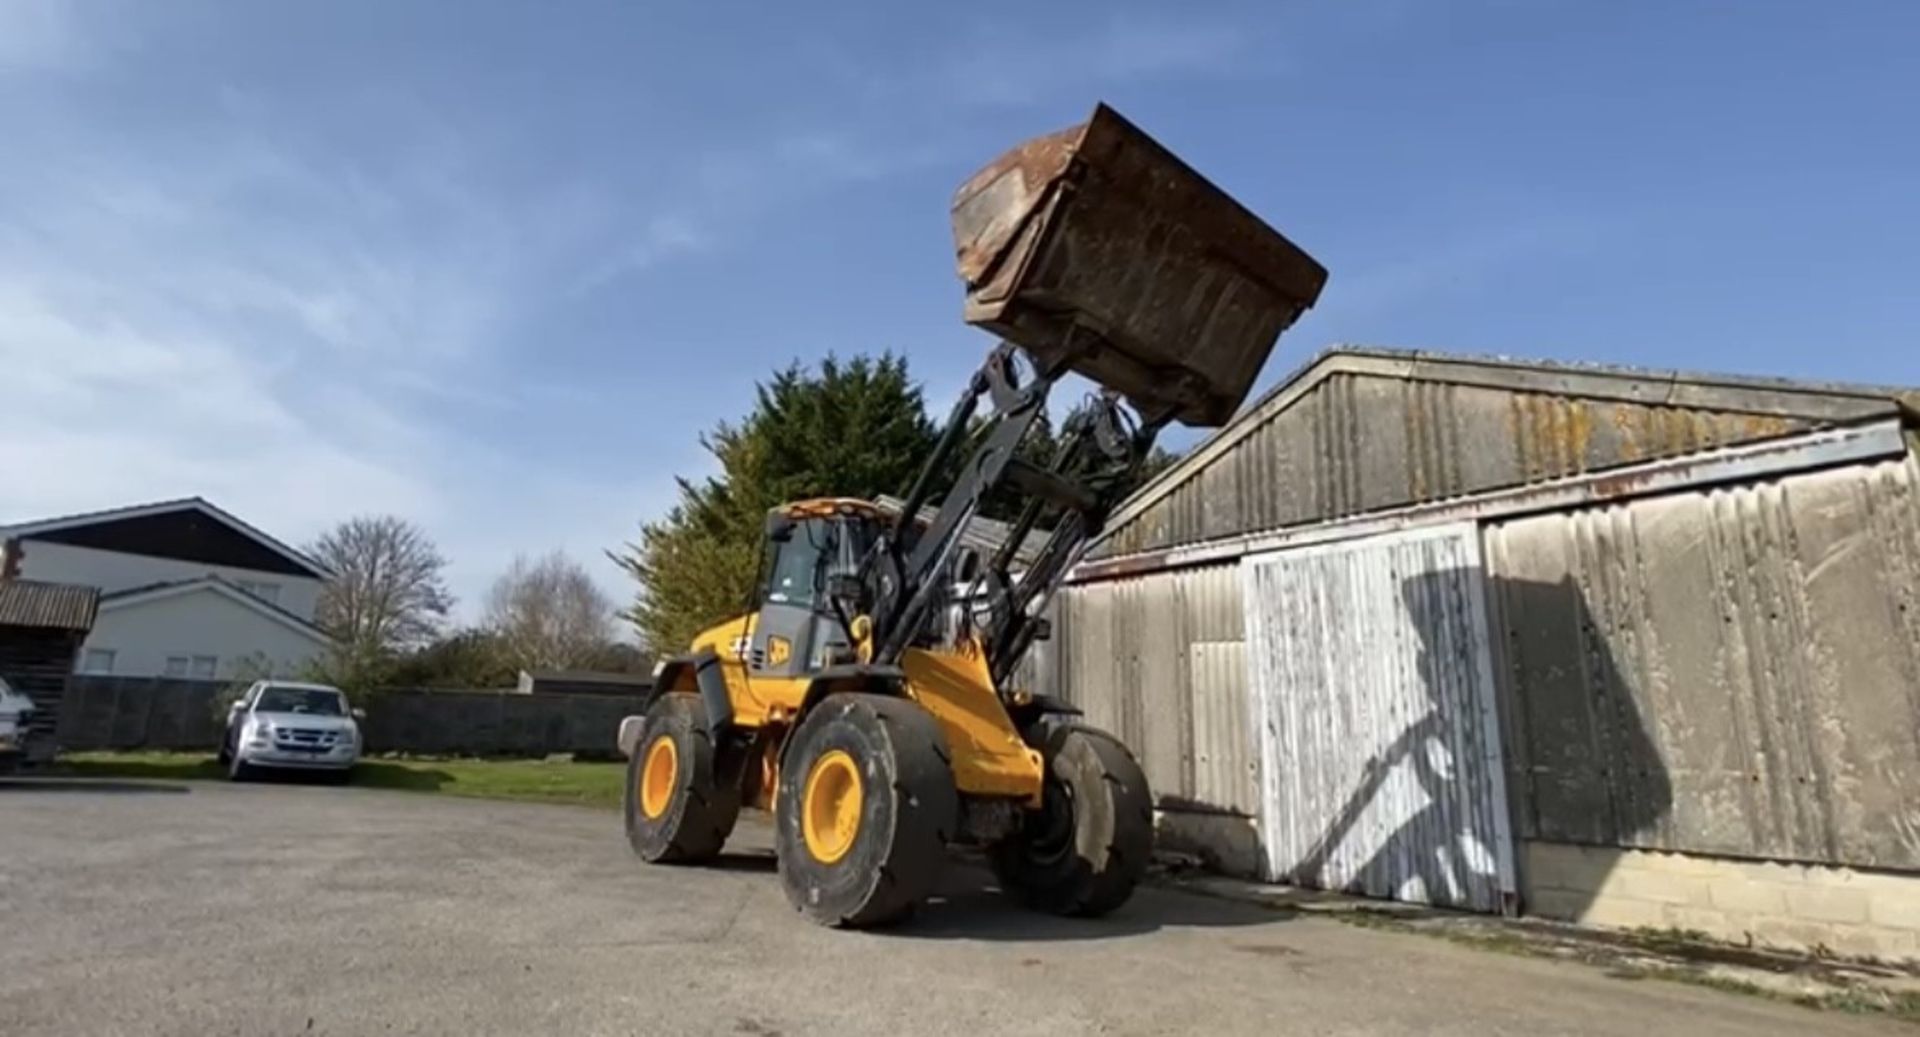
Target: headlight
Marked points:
263	732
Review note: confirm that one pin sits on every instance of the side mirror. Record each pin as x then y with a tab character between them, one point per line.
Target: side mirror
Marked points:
358	713
966	567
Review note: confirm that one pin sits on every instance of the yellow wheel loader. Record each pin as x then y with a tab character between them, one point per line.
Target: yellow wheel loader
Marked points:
868	698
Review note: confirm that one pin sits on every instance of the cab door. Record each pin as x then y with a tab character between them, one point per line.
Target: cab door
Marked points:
783	630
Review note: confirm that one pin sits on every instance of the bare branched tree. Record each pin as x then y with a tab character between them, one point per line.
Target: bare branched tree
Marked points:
549	614
387	594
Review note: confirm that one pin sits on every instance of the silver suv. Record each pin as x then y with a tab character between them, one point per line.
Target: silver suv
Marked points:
16	710
281	724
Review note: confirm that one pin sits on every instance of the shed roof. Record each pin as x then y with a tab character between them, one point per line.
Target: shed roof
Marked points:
52	606
1361	429
982	534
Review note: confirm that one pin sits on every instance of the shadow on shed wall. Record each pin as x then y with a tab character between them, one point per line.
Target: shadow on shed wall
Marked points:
1602	770
1584	770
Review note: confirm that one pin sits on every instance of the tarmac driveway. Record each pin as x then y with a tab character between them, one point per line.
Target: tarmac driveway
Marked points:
285	909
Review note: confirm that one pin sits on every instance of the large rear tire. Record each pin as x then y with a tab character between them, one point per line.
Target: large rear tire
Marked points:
678	810
1087	847
865	811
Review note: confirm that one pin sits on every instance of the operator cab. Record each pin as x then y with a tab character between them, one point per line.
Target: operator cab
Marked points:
810	546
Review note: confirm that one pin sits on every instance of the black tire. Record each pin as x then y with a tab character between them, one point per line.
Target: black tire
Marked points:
908	811
1082	853
238	769
701	809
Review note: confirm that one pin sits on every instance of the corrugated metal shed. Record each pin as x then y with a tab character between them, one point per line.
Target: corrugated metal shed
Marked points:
1373	699
1731	670
1160	662
1703	594
1365	430
52	606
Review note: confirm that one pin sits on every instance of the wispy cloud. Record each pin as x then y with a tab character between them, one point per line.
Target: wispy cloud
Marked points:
724	191
1011	66
224	296
1461	264
665	237
38	35
236	313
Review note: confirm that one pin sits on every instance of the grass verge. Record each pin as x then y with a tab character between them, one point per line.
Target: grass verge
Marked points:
586	783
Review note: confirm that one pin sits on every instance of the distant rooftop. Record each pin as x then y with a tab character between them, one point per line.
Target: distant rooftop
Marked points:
50	606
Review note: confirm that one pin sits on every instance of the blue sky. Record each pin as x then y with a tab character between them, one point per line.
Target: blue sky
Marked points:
493	265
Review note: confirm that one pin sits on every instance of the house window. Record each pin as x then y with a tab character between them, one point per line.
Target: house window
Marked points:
267	592
98	660
204	667
177	666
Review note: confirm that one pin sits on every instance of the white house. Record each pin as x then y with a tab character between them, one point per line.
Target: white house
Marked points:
187	590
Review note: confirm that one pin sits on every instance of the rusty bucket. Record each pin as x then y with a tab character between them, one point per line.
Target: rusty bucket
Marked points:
1098	251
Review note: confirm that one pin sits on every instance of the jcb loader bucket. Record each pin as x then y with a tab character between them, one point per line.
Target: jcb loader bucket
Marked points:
1095	248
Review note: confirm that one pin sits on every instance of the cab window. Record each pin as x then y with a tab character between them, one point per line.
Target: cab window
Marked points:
796	564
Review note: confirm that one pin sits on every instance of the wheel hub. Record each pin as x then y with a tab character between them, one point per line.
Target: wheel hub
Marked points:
830	806
658	776
1050	831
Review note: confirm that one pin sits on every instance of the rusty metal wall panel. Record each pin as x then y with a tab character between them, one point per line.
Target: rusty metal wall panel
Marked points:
1373	700
1730	671
1360	442
1155	660
1743	463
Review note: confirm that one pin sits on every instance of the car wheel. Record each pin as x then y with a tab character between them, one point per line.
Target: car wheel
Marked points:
237	768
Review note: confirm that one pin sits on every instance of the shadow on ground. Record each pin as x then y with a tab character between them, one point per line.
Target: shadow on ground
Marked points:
374	774
760	862
971	906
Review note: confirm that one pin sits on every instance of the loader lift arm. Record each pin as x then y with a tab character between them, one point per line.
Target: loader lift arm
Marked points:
1097	463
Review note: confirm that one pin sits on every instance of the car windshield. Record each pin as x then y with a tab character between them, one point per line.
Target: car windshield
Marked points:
301	700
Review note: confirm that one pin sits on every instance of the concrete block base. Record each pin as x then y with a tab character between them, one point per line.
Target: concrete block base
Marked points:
1798	907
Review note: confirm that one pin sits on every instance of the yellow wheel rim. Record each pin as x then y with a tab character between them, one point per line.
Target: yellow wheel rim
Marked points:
830	807
658	776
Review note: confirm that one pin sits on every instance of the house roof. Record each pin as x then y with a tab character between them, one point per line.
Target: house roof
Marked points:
146	593
1443	424
43	528
53	606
